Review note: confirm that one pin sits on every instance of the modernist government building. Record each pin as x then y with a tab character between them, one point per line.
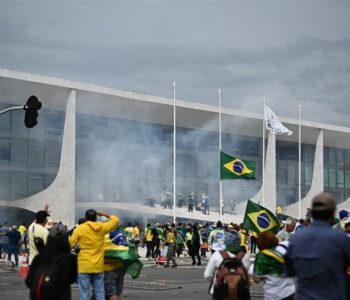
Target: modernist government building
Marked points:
112	149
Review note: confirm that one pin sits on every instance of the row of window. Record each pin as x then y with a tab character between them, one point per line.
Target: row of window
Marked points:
108	148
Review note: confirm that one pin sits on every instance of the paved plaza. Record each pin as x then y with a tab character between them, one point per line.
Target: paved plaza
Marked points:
155	282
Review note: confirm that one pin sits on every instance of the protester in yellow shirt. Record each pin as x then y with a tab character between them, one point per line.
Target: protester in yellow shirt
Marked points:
136	234
90	236
171	243
23	230
149	238
244	240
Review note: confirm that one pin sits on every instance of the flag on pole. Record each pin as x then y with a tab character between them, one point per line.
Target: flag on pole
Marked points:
259	219
273	124
235	168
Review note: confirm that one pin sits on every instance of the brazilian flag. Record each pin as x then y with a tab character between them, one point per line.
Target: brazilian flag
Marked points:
125	254
259	219
235	168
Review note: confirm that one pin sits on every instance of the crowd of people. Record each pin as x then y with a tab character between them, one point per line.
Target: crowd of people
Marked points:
316	253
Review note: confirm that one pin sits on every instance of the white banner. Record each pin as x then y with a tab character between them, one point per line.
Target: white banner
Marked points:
273	124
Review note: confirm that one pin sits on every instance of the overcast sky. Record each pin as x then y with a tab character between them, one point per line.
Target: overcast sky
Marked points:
290	52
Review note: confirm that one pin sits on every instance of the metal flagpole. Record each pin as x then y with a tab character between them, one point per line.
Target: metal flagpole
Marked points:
299	162
220	147
174	154
263	158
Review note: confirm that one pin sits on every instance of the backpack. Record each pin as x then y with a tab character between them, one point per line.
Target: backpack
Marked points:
231	281
45	283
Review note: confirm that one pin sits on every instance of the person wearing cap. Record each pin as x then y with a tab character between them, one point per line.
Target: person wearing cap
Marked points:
37	234
91	236
319	255
343	219
286	233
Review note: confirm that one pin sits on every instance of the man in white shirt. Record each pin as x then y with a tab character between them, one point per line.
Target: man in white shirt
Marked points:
37	234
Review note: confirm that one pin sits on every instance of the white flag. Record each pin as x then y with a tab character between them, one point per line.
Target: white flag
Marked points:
273	124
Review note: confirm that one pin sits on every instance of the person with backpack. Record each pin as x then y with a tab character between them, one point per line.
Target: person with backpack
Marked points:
270	268
227	270
54	269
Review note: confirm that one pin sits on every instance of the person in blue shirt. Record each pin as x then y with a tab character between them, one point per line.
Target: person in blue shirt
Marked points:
319	255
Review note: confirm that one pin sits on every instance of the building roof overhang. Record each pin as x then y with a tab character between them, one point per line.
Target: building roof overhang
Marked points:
16	87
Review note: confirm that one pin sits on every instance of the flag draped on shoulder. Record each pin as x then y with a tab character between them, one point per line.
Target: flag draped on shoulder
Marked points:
235	168
259	219
115	250
273	124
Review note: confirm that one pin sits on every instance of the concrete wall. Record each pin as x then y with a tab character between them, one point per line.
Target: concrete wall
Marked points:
270	180
60	195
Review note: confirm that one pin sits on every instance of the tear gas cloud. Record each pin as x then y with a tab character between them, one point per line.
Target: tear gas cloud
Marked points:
129	161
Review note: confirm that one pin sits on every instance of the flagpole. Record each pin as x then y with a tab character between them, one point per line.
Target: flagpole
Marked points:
220	147
174	154
299	162
263	158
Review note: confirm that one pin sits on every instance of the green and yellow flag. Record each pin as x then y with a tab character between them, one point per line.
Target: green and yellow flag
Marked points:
259	219
235	168
124	254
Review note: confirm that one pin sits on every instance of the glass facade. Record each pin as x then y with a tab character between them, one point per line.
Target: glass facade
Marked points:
287	171
121	160
29	158
337	172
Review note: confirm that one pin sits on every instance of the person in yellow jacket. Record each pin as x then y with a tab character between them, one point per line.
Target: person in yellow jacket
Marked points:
91	236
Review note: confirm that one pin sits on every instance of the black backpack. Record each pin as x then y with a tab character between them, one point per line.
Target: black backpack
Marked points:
45	283
231	281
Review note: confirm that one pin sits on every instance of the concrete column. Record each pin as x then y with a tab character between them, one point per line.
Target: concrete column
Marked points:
60	195
317	185
270	179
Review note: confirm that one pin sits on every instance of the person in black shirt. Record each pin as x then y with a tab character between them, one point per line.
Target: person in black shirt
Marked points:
14	243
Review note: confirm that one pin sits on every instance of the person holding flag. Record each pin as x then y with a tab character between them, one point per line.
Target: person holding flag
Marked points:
259	219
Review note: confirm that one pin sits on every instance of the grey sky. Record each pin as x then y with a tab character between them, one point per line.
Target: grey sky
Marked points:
290	52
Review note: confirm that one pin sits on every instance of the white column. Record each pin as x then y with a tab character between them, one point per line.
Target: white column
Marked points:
299	162
174	154
221	200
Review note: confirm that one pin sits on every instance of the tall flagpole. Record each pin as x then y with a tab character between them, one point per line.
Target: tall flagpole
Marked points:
220	147
174	154
299	163
263	158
